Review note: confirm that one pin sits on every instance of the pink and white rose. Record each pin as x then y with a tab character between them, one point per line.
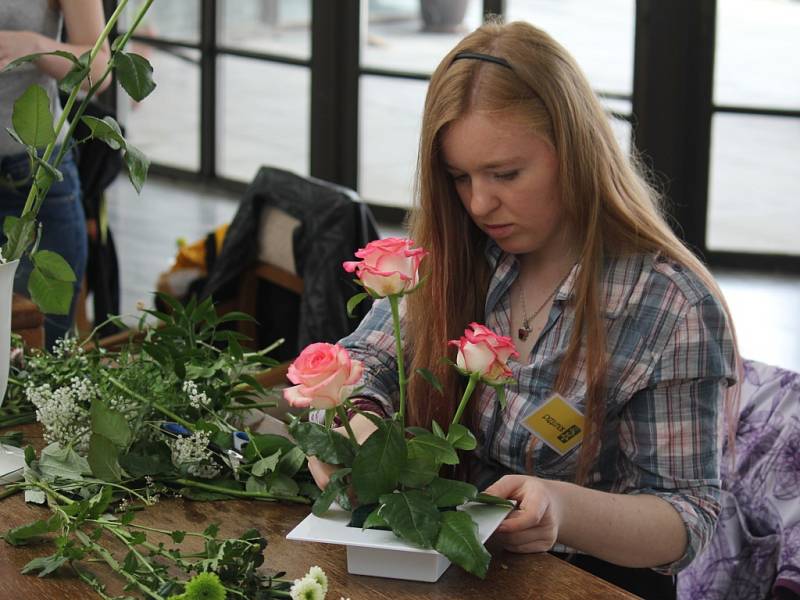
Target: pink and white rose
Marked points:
389	266
325	376
482	351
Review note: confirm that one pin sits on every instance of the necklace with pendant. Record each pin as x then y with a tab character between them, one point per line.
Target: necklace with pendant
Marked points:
524	331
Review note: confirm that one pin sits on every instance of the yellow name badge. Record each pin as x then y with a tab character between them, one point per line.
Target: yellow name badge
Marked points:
557	424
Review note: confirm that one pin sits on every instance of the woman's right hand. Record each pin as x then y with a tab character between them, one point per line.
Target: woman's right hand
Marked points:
321	471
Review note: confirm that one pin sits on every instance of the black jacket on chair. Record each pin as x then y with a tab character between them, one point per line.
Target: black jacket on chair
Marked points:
334	223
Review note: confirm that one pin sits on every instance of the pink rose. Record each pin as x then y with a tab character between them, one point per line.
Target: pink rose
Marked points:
325	375
482	351
389	266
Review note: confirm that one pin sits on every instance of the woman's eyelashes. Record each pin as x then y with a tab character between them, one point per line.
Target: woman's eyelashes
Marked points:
507	175
460	178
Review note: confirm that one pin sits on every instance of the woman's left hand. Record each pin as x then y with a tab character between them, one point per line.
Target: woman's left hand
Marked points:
533	525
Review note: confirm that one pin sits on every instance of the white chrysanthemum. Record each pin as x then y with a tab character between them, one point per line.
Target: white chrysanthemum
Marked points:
317	574
306	589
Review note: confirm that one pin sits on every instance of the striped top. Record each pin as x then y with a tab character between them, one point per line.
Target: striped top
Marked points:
671	358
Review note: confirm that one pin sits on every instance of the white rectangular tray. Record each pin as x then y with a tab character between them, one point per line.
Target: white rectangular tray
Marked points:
383	554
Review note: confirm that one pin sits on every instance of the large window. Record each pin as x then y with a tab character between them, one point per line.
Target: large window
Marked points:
707	88
754	190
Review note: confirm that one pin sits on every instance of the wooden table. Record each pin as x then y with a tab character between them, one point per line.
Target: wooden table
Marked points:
511	576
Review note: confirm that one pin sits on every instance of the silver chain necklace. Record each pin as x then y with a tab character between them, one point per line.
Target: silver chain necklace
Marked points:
524	331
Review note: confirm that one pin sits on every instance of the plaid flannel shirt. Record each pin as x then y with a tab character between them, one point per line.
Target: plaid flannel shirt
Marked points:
671	356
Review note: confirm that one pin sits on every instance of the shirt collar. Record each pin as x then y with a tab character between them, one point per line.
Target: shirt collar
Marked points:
620	274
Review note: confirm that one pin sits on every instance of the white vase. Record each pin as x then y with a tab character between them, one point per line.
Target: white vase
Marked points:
7	271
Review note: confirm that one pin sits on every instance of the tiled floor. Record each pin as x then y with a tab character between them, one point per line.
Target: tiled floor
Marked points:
766	308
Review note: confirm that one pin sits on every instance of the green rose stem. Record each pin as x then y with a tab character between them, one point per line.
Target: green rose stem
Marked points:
346	422
401	371
473	380
32	202
163	410
240	493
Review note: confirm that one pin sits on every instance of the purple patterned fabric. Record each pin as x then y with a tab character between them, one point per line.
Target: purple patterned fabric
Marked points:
755	550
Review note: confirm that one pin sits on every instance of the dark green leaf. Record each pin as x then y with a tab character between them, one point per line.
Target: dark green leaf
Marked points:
45	564
447	492
266	465
147	458
420	468
32	119
48	174
110	424
236	316
107	130
431	378
98	504
53	266
337	484
20	233
437	430
30	455
36	56
484	498
375	521
264	444
329	446
135	75
291	462
76	75
461	437
19	536
52	296
355	301
412	516
137	164
58	462
458	541
281	485
440	449
103	458
379	462
177	536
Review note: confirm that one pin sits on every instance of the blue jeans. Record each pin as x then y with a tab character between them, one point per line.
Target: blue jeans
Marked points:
63	228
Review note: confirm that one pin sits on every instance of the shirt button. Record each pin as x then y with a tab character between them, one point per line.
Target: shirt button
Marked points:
661	258
677	267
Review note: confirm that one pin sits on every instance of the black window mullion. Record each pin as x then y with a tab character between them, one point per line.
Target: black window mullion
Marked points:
494	7
335	46
672	104
208	88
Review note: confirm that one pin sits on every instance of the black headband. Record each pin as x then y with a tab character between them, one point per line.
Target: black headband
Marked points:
487	57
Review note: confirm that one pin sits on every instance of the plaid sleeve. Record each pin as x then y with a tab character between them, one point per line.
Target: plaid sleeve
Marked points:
373	344
670	431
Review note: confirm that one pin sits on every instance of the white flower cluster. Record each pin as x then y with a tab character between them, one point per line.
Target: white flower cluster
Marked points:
313	585
197	399
64	412
192	452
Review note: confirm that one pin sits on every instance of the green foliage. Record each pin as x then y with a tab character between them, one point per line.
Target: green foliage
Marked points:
50	284
412	516
458	541
316	440
32	119
379	463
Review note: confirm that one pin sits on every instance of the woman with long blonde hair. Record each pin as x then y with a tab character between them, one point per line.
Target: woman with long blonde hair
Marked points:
538	225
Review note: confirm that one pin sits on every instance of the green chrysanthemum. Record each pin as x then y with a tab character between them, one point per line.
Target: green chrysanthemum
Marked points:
205	586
